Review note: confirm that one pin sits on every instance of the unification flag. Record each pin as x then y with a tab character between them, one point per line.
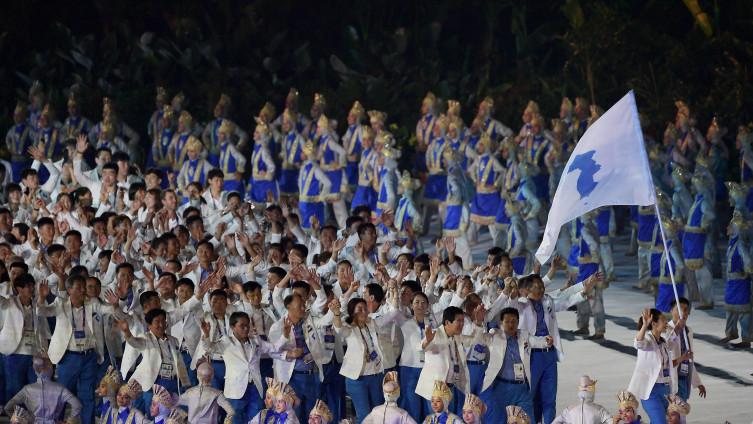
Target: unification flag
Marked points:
609	166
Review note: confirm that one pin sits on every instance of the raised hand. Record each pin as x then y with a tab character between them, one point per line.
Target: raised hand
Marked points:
429	334
205	328
44	290
646	315
111	297
479	314
122	326
81	144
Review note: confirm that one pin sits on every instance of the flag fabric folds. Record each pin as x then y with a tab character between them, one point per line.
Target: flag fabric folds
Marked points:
608	166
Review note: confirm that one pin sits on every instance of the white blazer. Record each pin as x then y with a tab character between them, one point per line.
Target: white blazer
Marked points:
497	342
151	360
676	345
413	353
11	324
353	361
648	367
438	361
238	366
61	310
314	340
551	307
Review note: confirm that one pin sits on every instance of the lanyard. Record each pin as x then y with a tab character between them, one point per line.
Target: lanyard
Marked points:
73	318
169	350
369	348
219	326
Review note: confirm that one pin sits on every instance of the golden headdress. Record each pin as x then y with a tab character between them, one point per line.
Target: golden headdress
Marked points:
280	390
485	140
442	391
178	100
193	143
320	101
390	383
663	200
532	107
626	400
538	121
107	129
321	410
185	119
35	89
680	172
308	149
586	384
430	99
516	415
456	123
46	111
668	224
682	109
293	94
559	126
21	416
407	182
488	102
738	220
735	189
475	404
226	127
368	132
582	103
390	152
164	397
453	107
107	106
262	127
677	404
567	104
385	139
177	416
133	389
357	109
224	101
168	112
322	123
161	94
112	381
21	107
290	116
267	112
377	116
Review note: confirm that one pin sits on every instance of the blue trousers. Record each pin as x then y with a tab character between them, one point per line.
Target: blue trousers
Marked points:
78	373
409	400
456	404
476	372
502	394
145	403
366	393
656	404
218	381
333	390
18	373
683	386
307	387
248	406
544	385
191	373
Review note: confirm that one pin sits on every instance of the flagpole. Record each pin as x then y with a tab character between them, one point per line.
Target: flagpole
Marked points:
639	134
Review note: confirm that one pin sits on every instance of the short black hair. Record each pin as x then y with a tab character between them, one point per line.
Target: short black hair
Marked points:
364	227
123	266
301	249
154	313
45	221
218	292
120	157
19	264
154	171
110	166
237	316
251	286
361	209
450	314
24	280
278	271
353	219
414	285
377	291
509	311
289	299
185	282
301	285
27	172
72	233
215	173
683	301
147	296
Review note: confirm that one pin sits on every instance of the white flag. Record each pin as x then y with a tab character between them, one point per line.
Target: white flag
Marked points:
609	166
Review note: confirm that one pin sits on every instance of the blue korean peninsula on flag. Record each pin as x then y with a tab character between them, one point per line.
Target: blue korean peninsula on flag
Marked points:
609	166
